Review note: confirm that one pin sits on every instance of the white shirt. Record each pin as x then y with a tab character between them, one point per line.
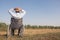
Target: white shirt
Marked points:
16	15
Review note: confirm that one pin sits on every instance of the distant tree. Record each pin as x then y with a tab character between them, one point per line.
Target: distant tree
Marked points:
3	26
34	26
27	26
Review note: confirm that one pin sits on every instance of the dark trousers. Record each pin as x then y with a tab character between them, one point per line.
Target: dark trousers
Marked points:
16	24
20	31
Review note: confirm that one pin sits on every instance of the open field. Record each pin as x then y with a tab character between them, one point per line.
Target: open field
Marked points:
34	34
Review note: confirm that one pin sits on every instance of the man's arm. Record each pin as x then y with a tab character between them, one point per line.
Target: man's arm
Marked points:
16	15
11	12
22	13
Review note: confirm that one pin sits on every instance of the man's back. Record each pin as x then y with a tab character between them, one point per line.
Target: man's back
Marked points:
17	21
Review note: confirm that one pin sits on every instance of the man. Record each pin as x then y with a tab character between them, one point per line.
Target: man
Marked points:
16	20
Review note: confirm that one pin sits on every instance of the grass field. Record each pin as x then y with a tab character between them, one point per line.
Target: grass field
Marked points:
34	34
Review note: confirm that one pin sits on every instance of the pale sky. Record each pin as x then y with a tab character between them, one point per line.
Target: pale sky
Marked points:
38	12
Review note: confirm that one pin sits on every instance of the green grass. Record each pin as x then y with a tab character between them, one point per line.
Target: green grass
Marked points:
49	36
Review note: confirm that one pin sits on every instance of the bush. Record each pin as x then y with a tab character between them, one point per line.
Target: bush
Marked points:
3	27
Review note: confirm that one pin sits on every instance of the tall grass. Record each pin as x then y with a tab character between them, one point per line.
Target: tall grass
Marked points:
49	36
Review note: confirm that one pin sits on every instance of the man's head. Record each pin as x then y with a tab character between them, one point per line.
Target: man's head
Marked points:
17	10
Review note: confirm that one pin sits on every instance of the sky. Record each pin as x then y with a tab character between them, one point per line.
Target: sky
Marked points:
38	12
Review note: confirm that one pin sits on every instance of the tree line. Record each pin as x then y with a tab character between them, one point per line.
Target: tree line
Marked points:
4	26
41	27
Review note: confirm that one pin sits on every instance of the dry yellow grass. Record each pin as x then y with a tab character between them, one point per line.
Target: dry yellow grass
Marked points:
36	31
40	31
34	34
